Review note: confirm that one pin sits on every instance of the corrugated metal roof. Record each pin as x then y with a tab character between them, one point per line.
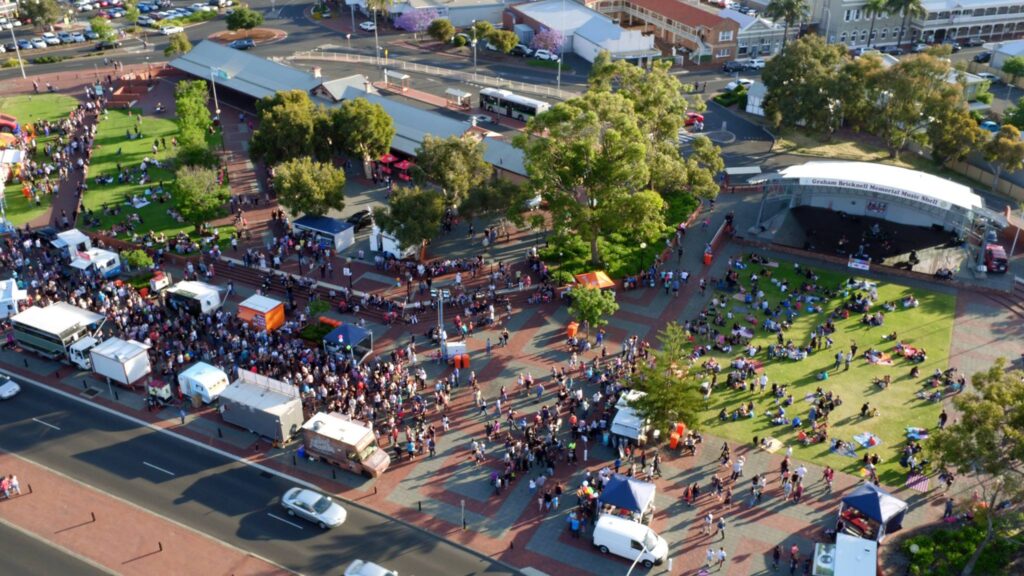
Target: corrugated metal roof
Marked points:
243	72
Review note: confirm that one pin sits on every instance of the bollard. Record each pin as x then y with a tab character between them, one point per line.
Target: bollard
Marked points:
419	504
85	385
160	546
116	396
464	527
220	433
26	362
511	545
669	565
93	514
334	475
374	490
29	488
294	463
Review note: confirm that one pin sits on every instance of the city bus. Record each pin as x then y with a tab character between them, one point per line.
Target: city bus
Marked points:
510	104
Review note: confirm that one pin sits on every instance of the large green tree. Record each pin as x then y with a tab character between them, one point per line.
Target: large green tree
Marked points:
987	442
790	12
456	164
953	132
1014	114
441	29
801	83
305	186
497	197
102	27
362	129
197	196
42	12
131	13
587	158
909	9
592	306
670	394
503	40
191	101
244	19
291	126
1004	151
413	215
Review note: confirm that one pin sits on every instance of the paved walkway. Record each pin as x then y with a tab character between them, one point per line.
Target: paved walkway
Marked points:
113	533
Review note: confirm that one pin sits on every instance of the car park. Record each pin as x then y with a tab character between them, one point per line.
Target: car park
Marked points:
8	388
982	57
367	26
360	219
315	507
243	44
744	82
51	39
545	55
734	66
521	50
168	30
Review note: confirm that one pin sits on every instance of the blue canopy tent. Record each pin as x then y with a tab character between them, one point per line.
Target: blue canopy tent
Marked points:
877	505
628	493
350	337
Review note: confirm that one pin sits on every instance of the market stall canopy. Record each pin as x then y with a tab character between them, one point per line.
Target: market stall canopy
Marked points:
877	505
388	158
628	493
597	279
347	335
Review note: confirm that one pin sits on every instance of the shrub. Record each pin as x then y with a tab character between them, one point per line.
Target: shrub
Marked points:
562	277
10	63
46	60
947	552
315	331
137	259
459	41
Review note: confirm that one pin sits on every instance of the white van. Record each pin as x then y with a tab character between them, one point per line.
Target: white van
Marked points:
623	537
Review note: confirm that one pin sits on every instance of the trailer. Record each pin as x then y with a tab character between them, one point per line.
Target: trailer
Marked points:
123	361
203	381
262	405
194	297
339	440
262	313
52	331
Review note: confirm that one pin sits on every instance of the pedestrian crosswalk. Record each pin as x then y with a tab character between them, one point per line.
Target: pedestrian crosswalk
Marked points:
685	136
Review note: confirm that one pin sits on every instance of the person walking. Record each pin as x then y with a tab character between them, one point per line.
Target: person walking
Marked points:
776	556
948	512
709	520
828	475
721	557
943	417
709	557
13	484
721	527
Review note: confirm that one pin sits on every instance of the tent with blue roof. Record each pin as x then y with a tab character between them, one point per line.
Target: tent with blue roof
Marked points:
350	338
628	493
876	505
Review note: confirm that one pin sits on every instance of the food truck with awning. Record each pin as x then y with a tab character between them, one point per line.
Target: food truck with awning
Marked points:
262	313
328	232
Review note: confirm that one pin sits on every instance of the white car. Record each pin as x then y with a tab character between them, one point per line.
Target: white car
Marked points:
168	30
745	82
364	568
51	39
38	43
545	55
316	508
756	63
368	26
8	388
992	78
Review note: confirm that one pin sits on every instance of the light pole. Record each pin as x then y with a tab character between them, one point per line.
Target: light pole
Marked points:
216	104
643	246
560	44
17	49
348	38
474	47
376	42
353	6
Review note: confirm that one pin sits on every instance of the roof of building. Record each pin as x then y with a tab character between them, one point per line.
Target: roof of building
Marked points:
680	12
942	5
920	186
450	4
504	156
57	318
745	21
243	72
560	15
953	76
336	88
1011	48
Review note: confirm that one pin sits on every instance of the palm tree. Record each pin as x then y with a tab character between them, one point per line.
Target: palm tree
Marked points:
874	8
789	11
909	8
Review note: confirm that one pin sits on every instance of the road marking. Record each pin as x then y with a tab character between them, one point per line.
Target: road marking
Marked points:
288	522
47	424
168	472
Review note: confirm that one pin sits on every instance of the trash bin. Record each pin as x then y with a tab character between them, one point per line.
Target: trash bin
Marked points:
707	258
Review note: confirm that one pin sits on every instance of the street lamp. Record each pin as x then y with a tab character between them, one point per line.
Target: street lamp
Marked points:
348	38
14	40
376	41
643	246
474	46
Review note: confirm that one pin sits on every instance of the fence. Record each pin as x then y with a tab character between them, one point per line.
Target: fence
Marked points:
468	77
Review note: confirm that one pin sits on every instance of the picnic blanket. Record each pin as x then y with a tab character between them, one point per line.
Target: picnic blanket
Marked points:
867	439
914	433
757	364
773	445
740	297
881	360
140	203
846	450
909	351
810	397
918	482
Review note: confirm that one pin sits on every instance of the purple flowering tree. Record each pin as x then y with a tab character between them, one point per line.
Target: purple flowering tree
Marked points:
548	39
416	21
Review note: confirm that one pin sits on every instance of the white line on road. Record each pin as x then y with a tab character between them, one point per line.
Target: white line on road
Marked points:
168	472
288	522
48	425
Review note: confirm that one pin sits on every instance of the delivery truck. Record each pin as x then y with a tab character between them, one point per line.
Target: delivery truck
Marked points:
263	406
203	381
123	361
339	440
194	297
59	331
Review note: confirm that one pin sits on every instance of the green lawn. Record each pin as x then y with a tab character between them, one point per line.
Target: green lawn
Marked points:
928	326
28	110
113	146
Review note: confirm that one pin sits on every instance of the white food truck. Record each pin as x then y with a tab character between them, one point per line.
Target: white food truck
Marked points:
123	361
202	380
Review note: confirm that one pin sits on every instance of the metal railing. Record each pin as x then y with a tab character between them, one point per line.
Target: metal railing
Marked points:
467	77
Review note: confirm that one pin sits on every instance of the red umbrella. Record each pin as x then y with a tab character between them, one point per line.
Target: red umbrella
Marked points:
405	177
403	165
385	169
388	158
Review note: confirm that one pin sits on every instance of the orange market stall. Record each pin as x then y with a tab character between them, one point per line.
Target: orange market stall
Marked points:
596	279
262	313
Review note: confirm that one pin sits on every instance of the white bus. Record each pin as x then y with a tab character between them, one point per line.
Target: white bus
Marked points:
511	104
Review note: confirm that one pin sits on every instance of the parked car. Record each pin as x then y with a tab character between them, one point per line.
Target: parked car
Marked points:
982	57
51	39
744	82
65	37
734	66
316	508
545	55
360	219
25	45
995	259
364	568
521	50
39	43
973	42
243	44
756	63
145	21
894	51
919	47
992	78
990	125
107	45
952	44
490	46
77	37
168	30
368	26
693	117
10	46
8	388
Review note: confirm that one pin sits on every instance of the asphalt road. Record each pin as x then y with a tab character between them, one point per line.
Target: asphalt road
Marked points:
28	556
214	494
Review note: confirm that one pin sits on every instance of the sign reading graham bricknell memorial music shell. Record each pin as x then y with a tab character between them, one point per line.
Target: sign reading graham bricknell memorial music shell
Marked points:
869	187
